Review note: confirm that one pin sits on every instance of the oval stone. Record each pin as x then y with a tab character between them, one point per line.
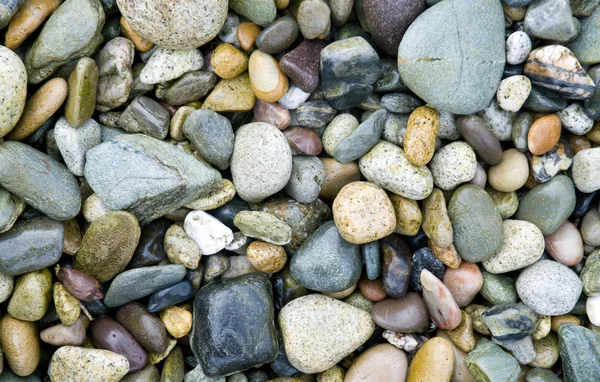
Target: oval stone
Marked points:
404	315
523	245
383	362
13	78
70	363
147	329
433	362
107	334
20	345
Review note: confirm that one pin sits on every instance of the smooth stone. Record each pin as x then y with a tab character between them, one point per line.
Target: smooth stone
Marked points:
400	103
509	322
140	43
44	183
363	213
479	135
513	92
405	315
551	20
146	116
174	367
81	101
190	87
358	141
147	329
220	195
278	36
293	98
463	282
541	375
268	82
180	248
583	7
421	132
506	202
349	68
31	296
81	285
405	179
575	119
20	345
453	164
565	245
261	163
247	300
382	362
271	113
108	245
547	351
548	205
462	336
66	335
212	136
579	352
489	362
372	290
454	59
178	26
584	168
520	131
11	208
476	222
518	47
315	114
301	64
208	232
261	12
228	61
246	34
555	68
182	177
266	257
140	282
108	334
178	321
523	245
231	95
326	262
6	286
585	46
433	362
304	141
165	65
74	143
313	323
543	101
592	309
71	363
150	249
263	226
31	245
372	259
308	174
396	266
115	76
148	374
408	215
544	134
589	275
8	9
337	175
56	45
66	305
499	120
14	85
498	289
424	258
440	303
549	288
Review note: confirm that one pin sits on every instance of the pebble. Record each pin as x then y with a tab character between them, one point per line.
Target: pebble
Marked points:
231	95
313	344
208	232
551	20
565	245
523	245
14	80
277	36
314	18
489	361
406	315
110	335
403	103
272	113
453	164
315	114
66	335
178	26
177	320
499	120
577	346
481	66
477	133
247	33
544	134
39	108
436	223
192	86
8	10
405	179
165	65
180	248
442	307
263	226
463	282
408	215
11	207
74	143
212	136
520	131
590	227
380	363
363	213
419	140
544	167
266	257
584	168
498	289
575	119
115	76
513	92
304	141
27	19
584	46
518	47
136	39
396	266
259	149
81	100
67	305
83	286
549	288
509	321
228	61
261	12
589	275
146	116
301	64
433	362
147	329
293	98
268	82
31	296
220	195
507	203
20	345
337	175
71	363
547	351
350	142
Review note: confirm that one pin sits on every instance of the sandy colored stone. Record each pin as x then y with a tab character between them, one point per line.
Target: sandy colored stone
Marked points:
557	321
77	364
228	61
462	335
230	95
333	374
221	193
177	121
180	248
27	19
547	351
31	296
408	215
436	223
363	213
246	35
41	106
93	208
177	320
266	78
433	362
511	173
419	140
383	362
544	134
20	345
140	43
266	257
73	237
447	255
67	305
337	175
343	293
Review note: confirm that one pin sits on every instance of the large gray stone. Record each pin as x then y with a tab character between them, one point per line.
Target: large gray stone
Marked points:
146	176
551	20
73	31
586	47
442	59
212	135
39	180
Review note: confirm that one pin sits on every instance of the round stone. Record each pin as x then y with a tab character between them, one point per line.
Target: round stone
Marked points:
433	362
523	245
20	345
266	257
78	363
513	92
575	119
511	173
518	47
363	213
565	245
586	165
308	175
176	25
453	164
337	175
268	82
383	362
13	78
408	215
544	134
31	296
228	61
463	282
404	315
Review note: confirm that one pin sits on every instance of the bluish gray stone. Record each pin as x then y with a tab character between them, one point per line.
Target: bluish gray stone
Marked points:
308	175
586	47
146	176
11	207
442	60
401	103
551	20
146	116
141	282
73	143
362	139
579	352
212	135
40	180
31	245
372	259
7	9
542	101
326	262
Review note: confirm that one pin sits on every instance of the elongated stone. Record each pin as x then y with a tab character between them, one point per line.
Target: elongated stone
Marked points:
441	305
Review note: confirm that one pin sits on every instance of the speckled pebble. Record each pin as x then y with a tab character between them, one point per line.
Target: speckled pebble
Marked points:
165	65
263	226
518	47
13	80
453	164
513	92
574	119
523	245
77	364
308	175
586	167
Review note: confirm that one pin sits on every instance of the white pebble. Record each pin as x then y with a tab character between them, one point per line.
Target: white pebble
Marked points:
513	92
293	98
518	47
574	119
209	233
592	308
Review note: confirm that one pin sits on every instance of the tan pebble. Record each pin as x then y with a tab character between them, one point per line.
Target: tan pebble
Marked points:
373	290
557	321
230	95
462	336
433	362
282	4
176	126
334	374
511	173
337	175
421	131
177	320
594	134
408	215
513	13
478	325
20	344
138	41
268	81
67	305
461	372
155	358
228	61
363	213
94	208
221	193
27	19
383	362
246	35
543	134
180	248
542	328
449	255
41	106
547	351
31	296
61	334
579	143
343	293
436	223
77	364
464	282
266	257
73	237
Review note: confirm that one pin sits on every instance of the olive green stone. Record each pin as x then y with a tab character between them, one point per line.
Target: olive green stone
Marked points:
108	245
261	12
506	202
31	296
498	289
488	362
478	230
263	226
11	207
590	274
81	101
548	205
173	369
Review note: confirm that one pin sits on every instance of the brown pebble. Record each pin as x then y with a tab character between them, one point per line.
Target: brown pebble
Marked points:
372	289
303	140
544	134
138	41
246	35
27	19
266	257
337	175
464	282
272	113
20	344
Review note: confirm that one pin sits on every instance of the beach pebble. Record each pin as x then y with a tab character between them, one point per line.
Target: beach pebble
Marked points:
453	164
518	47
523	245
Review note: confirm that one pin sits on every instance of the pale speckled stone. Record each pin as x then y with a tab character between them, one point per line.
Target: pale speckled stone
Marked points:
586	167
453	164
31	296
513	92
448	129
180	248
263	226
165	65
76	364
175	25
6	286
499	120
403	178
308	175
221	193
74	143
319	331
523	245
518	47
13	87
574	119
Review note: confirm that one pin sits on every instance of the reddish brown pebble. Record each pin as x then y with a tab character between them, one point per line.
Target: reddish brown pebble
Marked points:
464	282
303	140
544	134
108	334
301	65
272	113
404	315
442	307
372	289
80	284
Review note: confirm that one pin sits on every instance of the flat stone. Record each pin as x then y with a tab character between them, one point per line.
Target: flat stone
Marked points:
165	65
404	315
70	364
263	226
108	334
579	351
190	87
551	20
433	362
489	361
81	101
